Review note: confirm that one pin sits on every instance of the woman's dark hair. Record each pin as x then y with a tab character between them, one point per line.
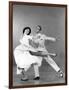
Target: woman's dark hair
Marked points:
40	28
26	29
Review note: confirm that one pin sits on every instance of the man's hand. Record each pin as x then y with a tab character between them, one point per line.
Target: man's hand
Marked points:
57	38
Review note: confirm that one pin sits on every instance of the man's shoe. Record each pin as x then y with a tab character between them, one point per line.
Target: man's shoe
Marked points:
60	74
36	78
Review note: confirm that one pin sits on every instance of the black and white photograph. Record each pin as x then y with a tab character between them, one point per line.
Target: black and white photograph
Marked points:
37	44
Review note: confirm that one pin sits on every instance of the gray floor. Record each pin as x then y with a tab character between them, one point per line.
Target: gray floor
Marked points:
47	75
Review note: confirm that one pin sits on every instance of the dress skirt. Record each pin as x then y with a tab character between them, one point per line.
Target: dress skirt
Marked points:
24	59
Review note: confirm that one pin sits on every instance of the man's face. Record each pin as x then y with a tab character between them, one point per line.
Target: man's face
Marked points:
38	29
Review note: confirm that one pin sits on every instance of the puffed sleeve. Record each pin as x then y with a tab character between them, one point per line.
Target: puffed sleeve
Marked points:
23	40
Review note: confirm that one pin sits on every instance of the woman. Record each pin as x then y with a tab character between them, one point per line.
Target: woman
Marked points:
23	58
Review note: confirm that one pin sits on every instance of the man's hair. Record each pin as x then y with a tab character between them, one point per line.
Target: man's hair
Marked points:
26	29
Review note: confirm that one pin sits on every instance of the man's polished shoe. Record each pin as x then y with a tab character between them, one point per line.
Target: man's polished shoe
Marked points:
36	78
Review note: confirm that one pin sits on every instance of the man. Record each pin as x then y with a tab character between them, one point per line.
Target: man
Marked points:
41	38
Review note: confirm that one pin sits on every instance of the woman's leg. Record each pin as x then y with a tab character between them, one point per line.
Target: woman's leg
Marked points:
24	76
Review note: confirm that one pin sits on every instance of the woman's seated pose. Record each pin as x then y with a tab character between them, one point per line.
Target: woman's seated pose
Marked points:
23	56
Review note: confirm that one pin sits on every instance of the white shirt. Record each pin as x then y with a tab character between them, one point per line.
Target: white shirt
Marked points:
40	38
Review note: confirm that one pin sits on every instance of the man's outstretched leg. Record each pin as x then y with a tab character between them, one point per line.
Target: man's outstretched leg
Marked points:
52	63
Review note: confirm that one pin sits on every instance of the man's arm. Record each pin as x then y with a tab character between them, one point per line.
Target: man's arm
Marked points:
49	38
39	36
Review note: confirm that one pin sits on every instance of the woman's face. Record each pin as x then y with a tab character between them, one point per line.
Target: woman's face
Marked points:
26	31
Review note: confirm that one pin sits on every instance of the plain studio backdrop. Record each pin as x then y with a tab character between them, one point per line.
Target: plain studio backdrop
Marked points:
52	20
4	37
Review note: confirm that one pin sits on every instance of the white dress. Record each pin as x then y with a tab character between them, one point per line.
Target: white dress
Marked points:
22	56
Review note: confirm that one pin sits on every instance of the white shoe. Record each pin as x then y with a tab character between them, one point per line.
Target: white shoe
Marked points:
60	74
